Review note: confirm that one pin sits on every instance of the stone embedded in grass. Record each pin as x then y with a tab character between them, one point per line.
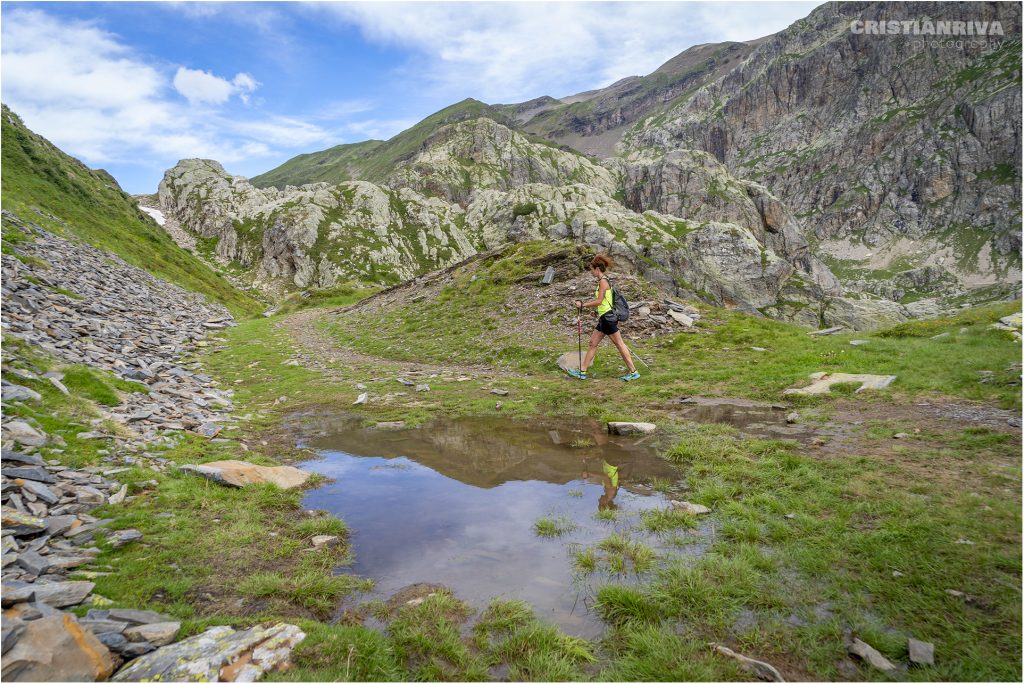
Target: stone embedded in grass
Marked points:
407	383
857	343
624	428
118	496
691	508
758	668
123	537
681	318
22	433
921	652
792	417
423	388
826	331
241	473
209	430
823	381
500	392
321	541
871	656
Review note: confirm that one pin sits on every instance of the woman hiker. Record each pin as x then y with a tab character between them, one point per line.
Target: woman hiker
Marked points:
607	323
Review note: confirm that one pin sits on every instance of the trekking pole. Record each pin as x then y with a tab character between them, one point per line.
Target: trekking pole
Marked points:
635	355
579	335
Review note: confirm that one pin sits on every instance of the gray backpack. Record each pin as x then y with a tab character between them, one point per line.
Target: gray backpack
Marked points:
619	304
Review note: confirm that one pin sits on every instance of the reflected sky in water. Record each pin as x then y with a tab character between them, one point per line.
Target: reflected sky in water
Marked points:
455	503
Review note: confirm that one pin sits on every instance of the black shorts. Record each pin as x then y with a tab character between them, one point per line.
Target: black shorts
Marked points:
607	325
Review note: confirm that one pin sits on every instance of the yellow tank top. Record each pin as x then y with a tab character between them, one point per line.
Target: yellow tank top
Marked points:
606	305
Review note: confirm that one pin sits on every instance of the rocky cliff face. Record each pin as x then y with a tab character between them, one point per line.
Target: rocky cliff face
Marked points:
894	151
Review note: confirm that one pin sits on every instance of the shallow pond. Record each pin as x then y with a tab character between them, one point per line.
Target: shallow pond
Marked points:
455	503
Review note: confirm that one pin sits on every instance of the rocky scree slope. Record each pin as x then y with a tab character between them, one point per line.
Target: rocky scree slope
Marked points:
65	300
480	185
41	182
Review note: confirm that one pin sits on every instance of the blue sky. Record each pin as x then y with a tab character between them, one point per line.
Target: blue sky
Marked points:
133	87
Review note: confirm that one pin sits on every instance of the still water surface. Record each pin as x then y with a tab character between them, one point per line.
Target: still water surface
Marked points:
455	502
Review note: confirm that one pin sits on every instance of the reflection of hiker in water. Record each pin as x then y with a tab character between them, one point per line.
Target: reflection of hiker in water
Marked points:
609	479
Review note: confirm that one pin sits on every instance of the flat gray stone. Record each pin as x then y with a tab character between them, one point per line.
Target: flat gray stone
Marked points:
156	633
59	524
36	473
921	652
871	656
9	456
19	393
122	537
32	562
22	433
40	491
115	641
135	617
62	594
98	627
16	593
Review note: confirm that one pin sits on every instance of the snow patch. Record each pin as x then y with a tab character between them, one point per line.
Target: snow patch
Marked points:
157	215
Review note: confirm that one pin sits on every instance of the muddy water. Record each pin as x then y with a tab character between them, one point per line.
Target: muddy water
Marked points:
455	502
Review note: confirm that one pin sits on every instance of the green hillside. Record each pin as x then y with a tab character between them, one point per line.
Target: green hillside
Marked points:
372	160
90	205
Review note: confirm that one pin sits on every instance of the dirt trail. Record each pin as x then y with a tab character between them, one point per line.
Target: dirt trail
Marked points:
319	352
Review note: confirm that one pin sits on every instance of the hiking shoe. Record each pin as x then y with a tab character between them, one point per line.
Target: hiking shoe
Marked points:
576	373
635	375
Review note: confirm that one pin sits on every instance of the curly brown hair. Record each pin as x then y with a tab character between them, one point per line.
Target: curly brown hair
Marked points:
601	261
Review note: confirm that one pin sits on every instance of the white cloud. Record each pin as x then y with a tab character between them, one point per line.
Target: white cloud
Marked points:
202	87
503	52
90	94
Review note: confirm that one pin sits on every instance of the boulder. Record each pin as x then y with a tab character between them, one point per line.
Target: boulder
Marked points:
218	654
619	428
56	648
241	473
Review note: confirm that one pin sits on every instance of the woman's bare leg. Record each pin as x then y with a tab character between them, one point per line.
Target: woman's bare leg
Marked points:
595	339
616	339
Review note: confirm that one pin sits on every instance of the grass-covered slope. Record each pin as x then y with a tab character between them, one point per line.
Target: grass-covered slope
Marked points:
76	200
371	160
494	311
